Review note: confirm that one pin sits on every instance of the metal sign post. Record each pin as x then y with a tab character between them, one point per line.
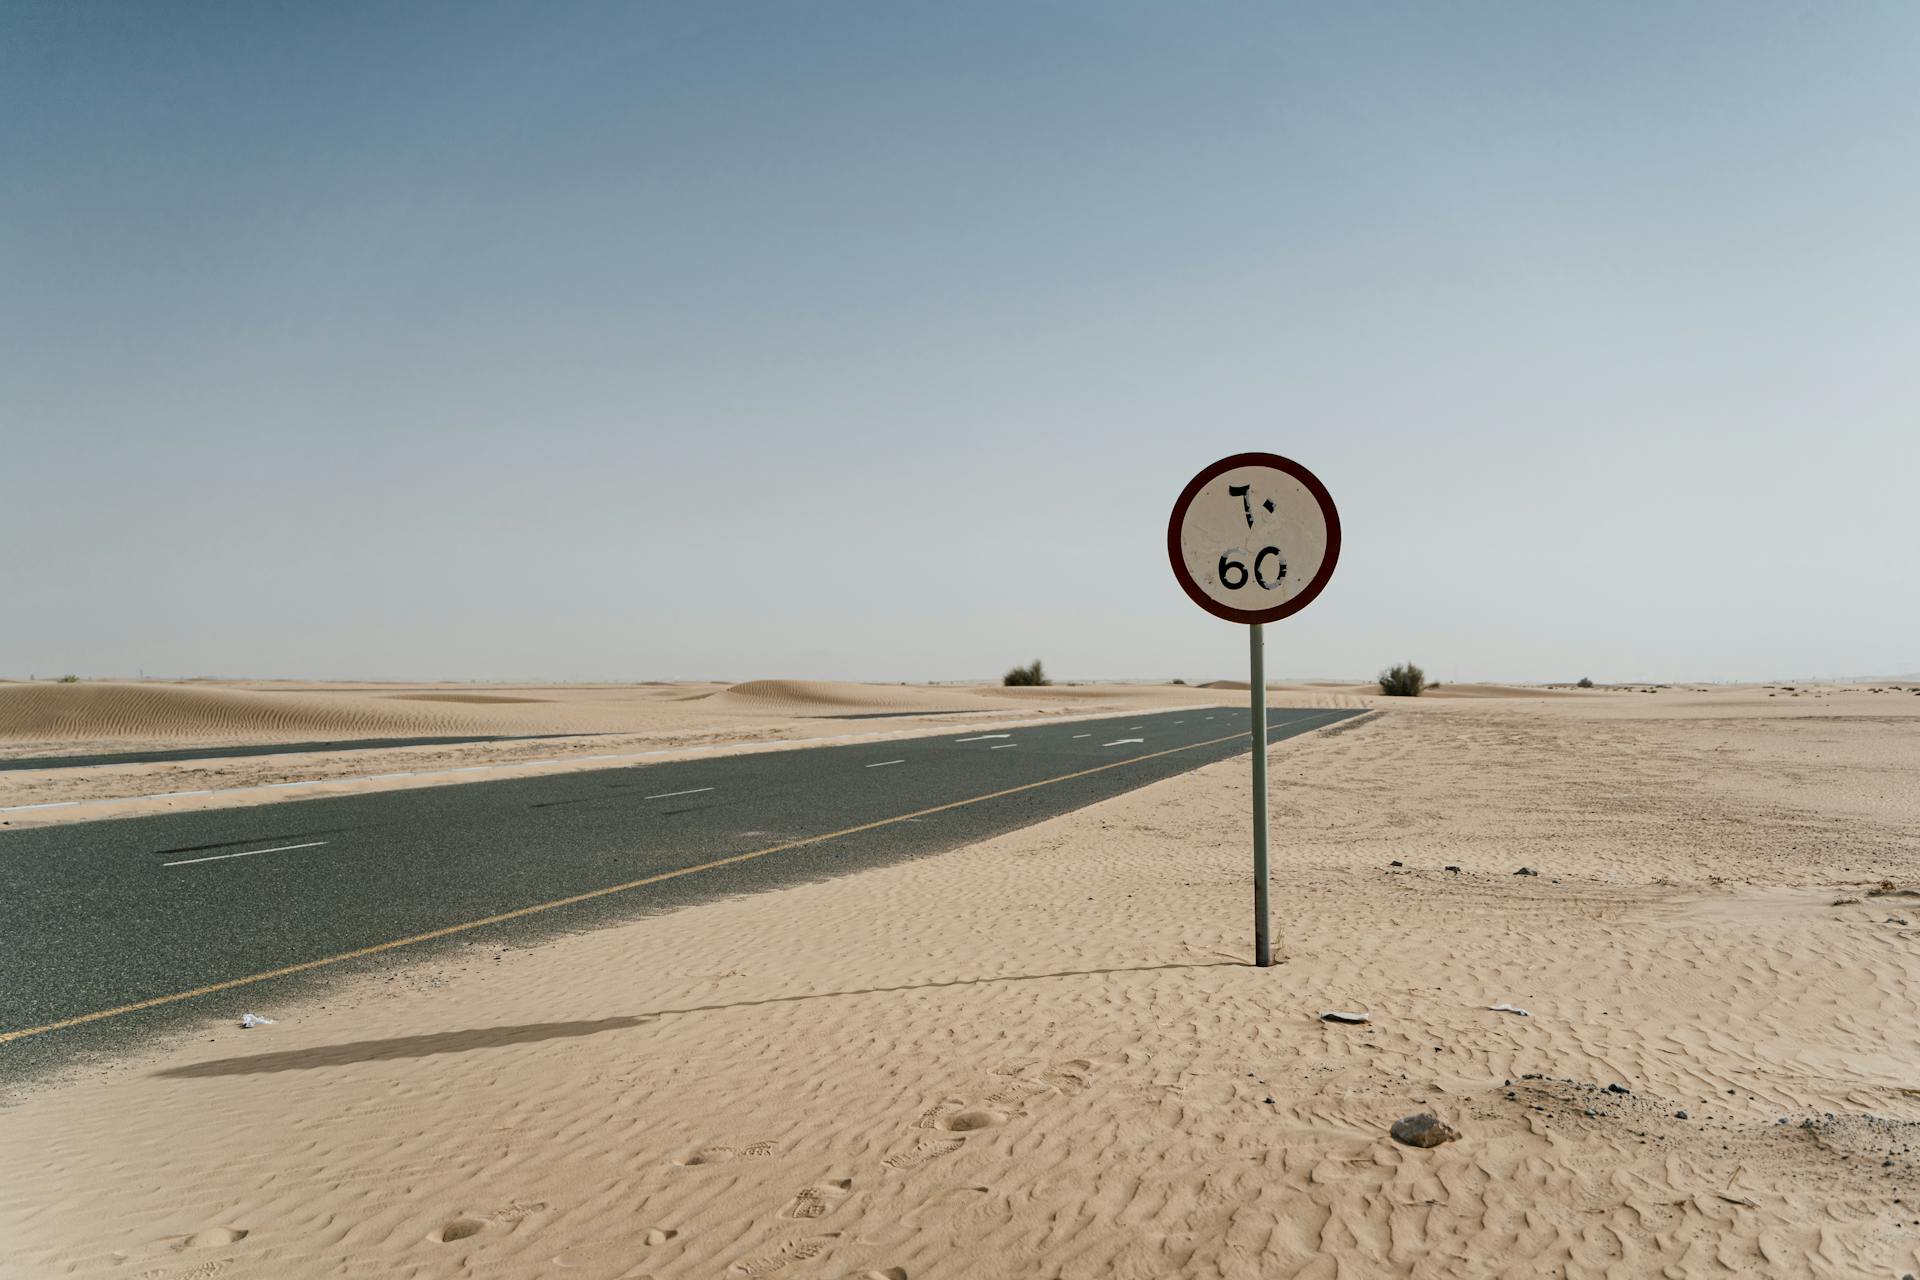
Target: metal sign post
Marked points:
1253	539
1257	683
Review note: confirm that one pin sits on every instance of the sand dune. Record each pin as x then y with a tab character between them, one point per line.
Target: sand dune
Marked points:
1492	691
89	711
802	697
283	711
265	711
474	698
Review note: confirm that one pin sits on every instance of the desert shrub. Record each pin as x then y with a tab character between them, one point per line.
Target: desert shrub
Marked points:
69	679
1031	674
1178	680
1403	681
1584	682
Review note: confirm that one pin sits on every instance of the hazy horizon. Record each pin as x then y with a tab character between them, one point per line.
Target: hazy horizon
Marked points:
616	343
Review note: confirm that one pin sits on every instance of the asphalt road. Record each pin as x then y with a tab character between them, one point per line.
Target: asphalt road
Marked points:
104	915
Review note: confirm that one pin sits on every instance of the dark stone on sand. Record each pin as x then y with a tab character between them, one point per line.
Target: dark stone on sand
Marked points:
1618	1088
1526	871
1423	1129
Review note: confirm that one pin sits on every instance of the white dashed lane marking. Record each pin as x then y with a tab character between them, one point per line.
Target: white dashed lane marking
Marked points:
285	848
668	795
884	763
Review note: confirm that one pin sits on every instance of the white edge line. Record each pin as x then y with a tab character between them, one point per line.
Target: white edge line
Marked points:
285	848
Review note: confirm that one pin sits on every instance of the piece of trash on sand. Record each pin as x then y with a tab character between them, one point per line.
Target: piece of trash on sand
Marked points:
1504	1007
252	1020
1341	1015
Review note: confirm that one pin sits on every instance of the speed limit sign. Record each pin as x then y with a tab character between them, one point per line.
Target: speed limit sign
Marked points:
1253	539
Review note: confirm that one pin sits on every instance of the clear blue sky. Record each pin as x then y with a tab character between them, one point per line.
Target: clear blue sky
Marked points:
875	340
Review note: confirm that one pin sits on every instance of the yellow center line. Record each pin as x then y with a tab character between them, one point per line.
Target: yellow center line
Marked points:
519	912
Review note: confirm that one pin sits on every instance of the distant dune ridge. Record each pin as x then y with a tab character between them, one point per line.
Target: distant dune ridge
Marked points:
88	711
804	696
236	712
223	713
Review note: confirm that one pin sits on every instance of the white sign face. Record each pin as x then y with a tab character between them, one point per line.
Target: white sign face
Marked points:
1254	538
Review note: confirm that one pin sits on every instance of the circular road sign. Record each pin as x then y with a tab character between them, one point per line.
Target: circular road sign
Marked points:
1254	538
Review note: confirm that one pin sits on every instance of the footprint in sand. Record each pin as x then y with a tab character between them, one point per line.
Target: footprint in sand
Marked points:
720	1155
200	1271
786	1255
1070	1076
891	1273
210	1238
931	1117
954	1117
1020	1091
924	1152
971	1121
458	1229
818	1200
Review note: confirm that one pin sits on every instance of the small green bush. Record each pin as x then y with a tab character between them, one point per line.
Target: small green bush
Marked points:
1584	682
69	679
1031	674
1403	681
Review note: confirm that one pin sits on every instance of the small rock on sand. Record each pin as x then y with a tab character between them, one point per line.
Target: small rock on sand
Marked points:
1341	1015
1423	1129
1526	871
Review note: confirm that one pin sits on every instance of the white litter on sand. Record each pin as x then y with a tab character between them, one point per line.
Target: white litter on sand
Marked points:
252	1020
1503	1007
1339	1015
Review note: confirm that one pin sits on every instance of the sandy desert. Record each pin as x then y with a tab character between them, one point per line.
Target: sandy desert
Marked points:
1046	1055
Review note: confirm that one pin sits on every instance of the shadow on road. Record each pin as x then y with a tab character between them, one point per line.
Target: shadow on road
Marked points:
426	1046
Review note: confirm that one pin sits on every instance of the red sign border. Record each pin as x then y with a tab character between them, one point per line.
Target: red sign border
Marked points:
1313	588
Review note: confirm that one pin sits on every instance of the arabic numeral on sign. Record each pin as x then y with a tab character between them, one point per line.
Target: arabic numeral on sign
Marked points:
1229	566
1259	574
